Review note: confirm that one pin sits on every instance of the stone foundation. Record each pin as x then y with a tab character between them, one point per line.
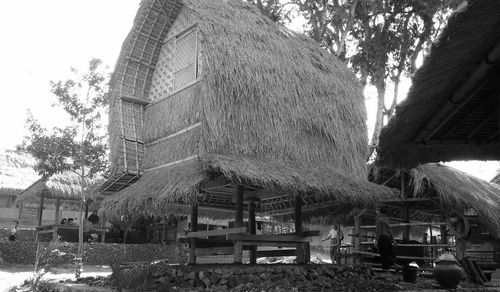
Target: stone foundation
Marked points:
310	277
94	253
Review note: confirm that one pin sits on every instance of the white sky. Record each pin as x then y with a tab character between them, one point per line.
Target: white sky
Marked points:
41	40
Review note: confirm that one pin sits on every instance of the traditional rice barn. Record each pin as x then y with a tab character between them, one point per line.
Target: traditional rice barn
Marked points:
451	112
212	103
457	204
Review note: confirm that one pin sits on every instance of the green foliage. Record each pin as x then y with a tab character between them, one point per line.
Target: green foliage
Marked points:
82	144
48	258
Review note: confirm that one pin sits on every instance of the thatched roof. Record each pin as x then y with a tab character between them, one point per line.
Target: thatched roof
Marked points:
449	190
451	109
64	186
16	171
272	111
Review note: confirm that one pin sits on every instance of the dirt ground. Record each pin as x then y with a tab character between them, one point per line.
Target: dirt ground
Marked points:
14	275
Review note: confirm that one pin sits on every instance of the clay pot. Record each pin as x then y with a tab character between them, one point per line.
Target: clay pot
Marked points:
447	273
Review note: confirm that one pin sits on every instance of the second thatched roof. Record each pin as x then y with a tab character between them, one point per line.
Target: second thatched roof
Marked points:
454	190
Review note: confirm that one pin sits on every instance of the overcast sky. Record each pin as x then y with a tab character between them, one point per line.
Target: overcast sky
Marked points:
41	40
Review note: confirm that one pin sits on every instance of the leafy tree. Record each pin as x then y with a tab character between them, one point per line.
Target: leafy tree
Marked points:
79	147
379	39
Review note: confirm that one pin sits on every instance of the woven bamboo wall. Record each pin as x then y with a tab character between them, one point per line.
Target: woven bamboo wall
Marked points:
132	79
175	107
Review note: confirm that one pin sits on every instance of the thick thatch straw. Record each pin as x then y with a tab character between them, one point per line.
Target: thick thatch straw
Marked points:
460	191
275	110
463	45
16	172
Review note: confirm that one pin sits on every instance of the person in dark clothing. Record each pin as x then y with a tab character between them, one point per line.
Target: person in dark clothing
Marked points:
13	231
94	218
64	221
385	239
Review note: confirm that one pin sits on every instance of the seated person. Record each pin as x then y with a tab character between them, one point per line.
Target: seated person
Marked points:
64	221
70	221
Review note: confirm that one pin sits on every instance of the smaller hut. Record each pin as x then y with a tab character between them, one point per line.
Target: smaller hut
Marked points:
63	189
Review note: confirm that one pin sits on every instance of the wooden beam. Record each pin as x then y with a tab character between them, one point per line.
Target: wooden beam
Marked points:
221	232
268	243
406	224
458	143
264	238
306	233
467	115
276	253
214	251
371	254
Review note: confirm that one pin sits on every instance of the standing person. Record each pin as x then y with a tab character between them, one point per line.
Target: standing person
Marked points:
385	239
13	231
334	235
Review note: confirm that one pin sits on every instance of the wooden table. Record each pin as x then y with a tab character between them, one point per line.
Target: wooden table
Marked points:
237	239
53	228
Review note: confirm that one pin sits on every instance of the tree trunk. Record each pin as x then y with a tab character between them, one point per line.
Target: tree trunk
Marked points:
379	121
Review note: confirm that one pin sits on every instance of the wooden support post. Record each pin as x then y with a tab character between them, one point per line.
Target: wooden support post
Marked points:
357	234
103	224
253	230
58	207
339	256
406	212
460	244
40	209
238	246
194	227
20	210
444	233
301	254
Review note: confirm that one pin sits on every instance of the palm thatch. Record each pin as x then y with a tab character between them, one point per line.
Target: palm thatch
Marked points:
16	172
467	130
454	191
271	110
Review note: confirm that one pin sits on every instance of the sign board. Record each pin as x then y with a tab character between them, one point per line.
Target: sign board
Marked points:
29	213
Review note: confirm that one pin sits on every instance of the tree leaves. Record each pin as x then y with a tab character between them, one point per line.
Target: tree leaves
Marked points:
82	144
